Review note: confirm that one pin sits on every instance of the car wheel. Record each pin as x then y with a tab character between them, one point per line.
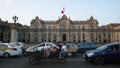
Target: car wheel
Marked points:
6	55
33	60
99	60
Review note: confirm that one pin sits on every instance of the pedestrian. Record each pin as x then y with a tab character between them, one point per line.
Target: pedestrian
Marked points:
64	48
59	45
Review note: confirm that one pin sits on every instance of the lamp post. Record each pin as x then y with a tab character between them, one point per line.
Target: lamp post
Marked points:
14	31
15	18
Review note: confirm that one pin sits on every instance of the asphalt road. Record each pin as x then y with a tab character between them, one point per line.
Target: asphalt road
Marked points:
72	62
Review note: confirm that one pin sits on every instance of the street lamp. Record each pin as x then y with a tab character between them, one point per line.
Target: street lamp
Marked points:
14	31
15	18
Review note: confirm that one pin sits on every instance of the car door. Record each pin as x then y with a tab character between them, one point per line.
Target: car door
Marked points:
48	45
40	46
1	50
112	55
118	54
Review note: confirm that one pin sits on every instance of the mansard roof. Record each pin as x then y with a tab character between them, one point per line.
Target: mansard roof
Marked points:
113	24
64	17
49	22
80	22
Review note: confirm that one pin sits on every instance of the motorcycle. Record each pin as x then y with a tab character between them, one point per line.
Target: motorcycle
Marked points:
52	53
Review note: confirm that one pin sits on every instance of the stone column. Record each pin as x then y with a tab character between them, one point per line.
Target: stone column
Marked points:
13	35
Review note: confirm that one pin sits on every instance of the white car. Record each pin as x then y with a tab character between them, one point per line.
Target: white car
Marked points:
44	45
7	50
19	44
38	47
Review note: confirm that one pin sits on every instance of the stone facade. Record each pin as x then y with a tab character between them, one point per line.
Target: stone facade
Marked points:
4	31
116	34
63	29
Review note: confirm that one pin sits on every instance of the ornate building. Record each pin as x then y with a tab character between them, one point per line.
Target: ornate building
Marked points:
109	33
63	29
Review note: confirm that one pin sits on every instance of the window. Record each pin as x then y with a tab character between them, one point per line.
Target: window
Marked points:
113	48
73	27
41	45
45	27
3	46
48	44
78	27
91	26
49	27
54	27
83	27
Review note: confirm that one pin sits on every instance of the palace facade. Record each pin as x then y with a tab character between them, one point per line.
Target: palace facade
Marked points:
63	29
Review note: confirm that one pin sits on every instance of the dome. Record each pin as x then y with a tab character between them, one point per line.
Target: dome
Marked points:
36	17
91	18
64	17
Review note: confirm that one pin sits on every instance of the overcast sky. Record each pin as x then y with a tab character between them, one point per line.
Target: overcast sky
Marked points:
105	11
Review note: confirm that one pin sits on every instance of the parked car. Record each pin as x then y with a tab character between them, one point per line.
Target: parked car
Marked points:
38	47
72	49
19	44
105	53
84	46
7	50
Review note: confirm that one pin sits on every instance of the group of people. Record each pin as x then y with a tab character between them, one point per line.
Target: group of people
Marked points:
61	46
58	49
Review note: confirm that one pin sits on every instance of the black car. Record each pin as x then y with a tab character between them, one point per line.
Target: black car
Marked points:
84	46
106	53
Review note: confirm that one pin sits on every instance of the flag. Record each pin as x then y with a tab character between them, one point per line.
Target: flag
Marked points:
63	11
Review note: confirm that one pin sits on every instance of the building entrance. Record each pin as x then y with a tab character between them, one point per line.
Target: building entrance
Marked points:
64	37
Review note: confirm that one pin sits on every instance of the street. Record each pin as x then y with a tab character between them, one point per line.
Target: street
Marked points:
72	62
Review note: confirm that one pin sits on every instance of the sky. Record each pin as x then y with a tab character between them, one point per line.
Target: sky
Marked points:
105	11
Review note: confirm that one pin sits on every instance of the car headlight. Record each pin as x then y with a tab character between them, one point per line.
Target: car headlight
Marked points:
90	54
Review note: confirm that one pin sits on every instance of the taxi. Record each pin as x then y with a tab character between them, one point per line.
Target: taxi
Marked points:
7	50
72	49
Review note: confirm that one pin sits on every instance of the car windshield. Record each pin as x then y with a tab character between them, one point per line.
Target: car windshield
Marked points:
102	47
12	45
86	44
16	43
81	44
41	45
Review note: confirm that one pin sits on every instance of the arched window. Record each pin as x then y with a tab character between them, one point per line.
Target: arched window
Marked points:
83	27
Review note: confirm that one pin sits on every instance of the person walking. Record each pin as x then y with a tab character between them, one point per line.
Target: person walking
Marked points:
63	50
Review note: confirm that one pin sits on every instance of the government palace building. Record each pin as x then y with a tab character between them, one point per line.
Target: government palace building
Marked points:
63	29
